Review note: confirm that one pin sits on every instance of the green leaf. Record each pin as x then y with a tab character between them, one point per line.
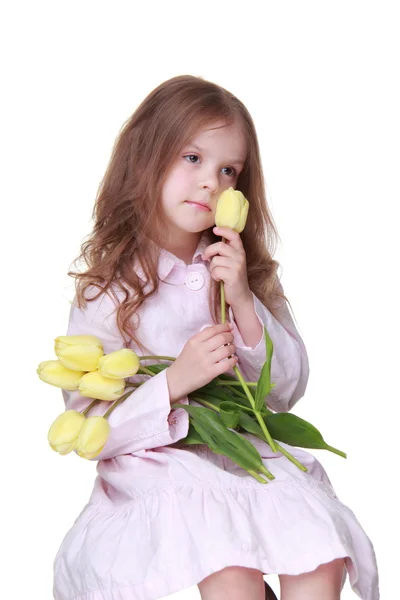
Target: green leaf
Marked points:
192	437
251	425
220	440
288	428
264	383
231	407
230	419
215	392
156	368
210	398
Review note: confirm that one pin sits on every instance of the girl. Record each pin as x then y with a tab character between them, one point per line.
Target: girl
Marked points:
162	517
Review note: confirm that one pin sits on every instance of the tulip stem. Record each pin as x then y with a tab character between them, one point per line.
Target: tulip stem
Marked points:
205	403
145	371
85	412
223	303
115	404
242	380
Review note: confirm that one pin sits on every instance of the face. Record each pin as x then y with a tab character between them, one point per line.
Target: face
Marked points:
209	164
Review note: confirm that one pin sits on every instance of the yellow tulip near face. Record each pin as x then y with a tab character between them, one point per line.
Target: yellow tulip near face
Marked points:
54	373
79	352
95	385
232	210
119	364
92	437
64	431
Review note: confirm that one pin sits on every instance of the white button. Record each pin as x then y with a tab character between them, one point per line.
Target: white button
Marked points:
194	280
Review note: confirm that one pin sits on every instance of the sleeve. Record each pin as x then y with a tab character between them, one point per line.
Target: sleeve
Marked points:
289	365
143	420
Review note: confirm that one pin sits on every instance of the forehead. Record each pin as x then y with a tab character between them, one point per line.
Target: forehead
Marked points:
221	137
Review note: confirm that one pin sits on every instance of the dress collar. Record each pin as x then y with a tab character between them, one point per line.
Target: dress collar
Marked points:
167	261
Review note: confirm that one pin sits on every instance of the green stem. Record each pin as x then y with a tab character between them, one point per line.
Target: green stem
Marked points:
257	476
264	470
145	371
205	403
115	404
238	393
256	412
243	382
285	453
336	451
223	314
85	412
291	457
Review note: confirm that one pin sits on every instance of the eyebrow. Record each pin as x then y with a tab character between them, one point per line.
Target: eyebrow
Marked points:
236	161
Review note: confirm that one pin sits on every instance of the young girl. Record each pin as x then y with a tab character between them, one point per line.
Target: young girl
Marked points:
161	517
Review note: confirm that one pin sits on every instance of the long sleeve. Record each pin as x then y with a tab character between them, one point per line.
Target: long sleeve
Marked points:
289	365
143	420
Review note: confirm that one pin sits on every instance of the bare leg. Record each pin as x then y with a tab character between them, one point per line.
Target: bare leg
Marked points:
233	583
325	582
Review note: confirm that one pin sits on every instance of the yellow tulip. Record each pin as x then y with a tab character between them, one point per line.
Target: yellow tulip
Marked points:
232	209
64	432
79	352
95	385
119	364
54	373
93	437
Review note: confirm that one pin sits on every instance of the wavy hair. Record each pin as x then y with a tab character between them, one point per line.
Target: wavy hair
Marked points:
127	221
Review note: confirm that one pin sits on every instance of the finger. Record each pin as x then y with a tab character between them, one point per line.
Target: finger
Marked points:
220	248
225	365
233	237
221	261
223	353
220	273
212	330
219	340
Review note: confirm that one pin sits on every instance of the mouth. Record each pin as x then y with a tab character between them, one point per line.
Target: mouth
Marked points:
199	206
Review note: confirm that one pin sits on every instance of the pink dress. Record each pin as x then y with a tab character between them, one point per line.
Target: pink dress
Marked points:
160	519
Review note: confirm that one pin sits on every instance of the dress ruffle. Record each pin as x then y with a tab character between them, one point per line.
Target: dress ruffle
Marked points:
172	535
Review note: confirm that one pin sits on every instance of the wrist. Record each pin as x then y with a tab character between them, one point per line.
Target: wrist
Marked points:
175	393
244	305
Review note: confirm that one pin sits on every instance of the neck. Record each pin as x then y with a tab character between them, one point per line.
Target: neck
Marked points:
184	247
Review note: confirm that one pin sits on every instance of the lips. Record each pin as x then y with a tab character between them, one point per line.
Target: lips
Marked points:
206	206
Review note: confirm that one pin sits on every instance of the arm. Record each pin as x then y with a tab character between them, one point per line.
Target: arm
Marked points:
141	421
289	366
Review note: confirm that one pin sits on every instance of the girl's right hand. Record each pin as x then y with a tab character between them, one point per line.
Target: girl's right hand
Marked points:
201	360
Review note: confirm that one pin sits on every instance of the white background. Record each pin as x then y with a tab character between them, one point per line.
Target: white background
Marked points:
321	82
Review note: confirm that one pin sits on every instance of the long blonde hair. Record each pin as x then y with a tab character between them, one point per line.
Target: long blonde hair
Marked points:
126	215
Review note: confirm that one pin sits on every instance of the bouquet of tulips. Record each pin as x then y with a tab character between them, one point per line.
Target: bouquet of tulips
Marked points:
230	406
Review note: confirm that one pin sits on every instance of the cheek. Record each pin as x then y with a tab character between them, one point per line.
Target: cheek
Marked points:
176	182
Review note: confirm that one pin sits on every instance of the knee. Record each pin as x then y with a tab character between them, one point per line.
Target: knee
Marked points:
234	583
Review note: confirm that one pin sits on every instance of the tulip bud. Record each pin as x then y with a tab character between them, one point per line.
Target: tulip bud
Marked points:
93	437
79	352
54	373
64	432
232	209
95	385
119	364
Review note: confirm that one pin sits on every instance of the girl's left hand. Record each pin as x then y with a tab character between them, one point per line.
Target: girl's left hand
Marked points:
228	263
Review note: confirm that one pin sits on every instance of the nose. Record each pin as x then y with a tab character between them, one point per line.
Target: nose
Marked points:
210	181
